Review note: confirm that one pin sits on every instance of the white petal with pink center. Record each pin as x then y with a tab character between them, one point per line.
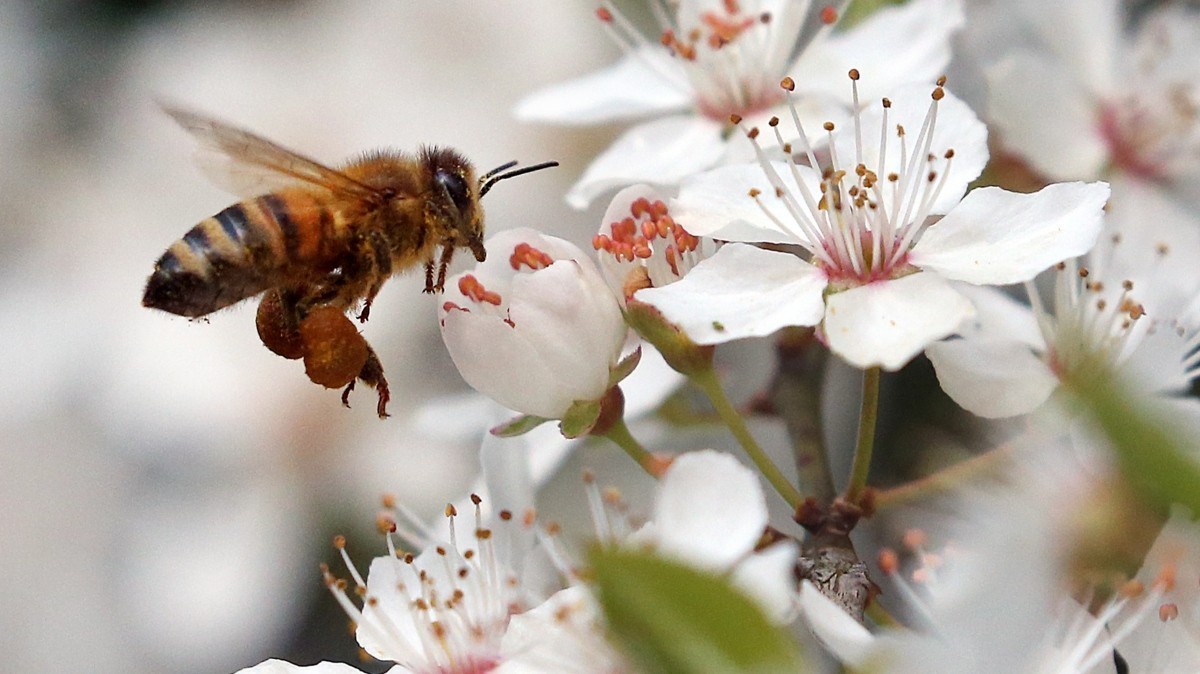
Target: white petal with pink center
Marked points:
1129	303
868	224
535	326
1088	98
726	57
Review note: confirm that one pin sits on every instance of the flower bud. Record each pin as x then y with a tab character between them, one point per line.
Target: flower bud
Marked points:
534	327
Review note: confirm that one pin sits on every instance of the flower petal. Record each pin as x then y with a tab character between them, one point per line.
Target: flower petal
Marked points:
998	316
888	322
662	152
769	578
895	46
643	83
1085	34
281	667
1045	115
992	378
997	237
710	510
742	291
849	641
718	204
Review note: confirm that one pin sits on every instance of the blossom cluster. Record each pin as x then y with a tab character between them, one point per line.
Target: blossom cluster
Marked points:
790	172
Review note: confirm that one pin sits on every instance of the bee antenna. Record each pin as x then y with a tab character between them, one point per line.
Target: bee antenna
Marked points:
503	167
491	179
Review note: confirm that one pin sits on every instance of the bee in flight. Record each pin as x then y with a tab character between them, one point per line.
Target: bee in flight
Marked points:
317	241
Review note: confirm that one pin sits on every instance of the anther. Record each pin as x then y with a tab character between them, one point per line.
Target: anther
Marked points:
604	14
939	93
451	511
889	562
735	119
788	84
829	15
828	126
854	74
339	542
774	121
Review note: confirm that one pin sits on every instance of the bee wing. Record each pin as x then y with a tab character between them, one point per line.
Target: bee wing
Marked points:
249	164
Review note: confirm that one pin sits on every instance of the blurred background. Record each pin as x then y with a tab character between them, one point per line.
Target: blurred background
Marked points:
168	488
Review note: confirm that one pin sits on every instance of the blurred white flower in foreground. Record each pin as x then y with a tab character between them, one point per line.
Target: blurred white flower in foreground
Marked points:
709	513
717	58
1002	602
534	327
877	283
1088	97
1130	303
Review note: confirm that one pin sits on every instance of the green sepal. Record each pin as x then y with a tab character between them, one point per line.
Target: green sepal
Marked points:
518	426
681	353
581	416
672	618
624	368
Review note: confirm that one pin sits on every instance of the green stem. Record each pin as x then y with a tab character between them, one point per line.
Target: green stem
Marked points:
867	416
946	479
620	435
707	381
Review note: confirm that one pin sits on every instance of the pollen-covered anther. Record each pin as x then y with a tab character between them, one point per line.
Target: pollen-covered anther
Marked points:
526	255
604	14
339	542
787	84
471	287
829	15
1168	612
385	523
914	539
889	561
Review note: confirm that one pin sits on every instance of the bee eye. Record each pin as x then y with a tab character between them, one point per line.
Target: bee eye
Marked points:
456	187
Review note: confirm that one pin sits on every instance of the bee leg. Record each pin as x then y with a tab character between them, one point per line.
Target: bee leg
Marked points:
372	375
447	256
381	268
429	276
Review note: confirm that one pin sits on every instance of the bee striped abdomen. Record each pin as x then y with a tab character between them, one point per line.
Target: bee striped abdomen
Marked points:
222	260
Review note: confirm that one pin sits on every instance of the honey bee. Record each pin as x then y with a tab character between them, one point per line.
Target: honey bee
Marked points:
318	241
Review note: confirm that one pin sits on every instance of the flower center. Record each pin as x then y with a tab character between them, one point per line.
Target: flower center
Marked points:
858	220
1152	137
648	237
457	598
1087	320
731	59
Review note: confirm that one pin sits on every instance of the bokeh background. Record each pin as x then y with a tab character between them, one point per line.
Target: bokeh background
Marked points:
168	488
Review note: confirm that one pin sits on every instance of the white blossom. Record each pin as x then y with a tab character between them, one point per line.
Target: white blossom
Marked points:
884	228
715	58
534	327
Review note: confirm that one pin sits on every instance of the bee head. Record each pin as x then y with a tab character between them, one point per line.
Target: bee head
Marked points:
455	198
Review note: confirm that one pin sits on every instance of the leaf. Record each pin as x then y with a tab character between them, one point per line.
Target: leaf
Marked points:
672	618
859	10
1151	451
518	426
581	416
